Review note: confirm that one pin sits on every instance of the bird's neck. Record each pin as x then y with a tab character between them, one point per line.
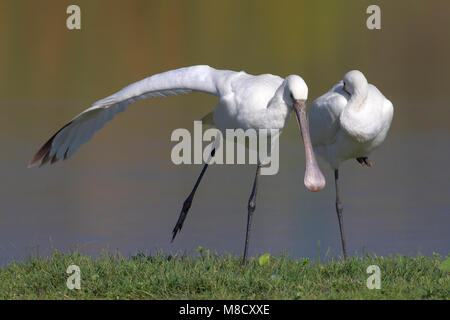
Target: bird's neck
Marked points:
357	100
354	116
278	109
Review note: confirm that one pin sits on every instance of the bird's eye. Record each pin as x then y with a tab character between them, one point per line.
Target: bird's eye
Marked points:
292	95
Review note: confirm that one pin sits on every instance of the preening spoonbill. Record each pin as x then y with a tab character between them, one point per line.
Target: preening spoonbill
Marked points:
348	122
245	101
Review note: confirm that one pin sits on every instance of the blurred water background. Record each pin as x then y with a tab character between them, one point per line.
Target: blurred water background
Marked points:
122	192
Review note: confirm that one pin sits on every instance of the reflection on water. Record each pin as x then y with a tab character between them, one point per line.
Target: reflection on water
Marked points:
121	192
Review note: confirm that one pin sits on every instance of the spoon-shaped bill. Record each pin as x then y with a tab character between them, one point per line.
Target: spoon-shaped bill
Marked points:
314	179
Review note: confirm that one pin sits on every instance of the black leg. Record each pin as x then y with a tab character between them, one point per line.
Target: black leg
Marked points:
251	209
187	203
364	161
339	209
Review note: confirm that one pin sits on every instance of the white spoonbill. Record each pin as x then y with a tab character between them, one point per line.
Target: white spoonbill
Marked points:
349	121
245	101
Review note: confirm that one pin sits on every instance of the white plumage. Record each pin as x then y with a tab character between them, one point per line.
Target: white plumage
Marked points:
81	128
349	121
245	101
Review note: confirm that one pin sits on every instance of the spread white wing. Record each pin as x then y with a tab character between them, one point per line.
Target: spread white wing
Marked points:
64	143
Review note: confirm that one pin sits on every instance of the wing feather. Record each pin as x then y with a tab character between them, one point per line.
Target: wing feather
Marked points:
66	141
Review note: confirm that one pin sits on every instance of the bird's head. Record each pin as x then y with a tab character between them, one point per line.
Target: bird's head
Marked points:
295	95
295	89
355	82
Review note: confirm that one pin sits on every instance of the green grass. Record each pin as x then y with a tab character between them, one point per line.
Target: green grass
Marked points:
209	276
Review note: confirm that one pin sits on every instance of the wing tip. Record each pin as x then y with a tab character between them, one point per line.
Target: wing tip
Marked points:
30	165
42	156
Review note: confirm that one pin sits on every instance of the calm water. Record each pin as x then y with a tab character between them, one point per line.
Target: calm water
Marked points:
121	191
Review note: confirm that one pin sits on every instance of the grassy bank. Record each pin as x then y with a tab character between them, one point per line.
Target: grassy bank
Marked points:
209	276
